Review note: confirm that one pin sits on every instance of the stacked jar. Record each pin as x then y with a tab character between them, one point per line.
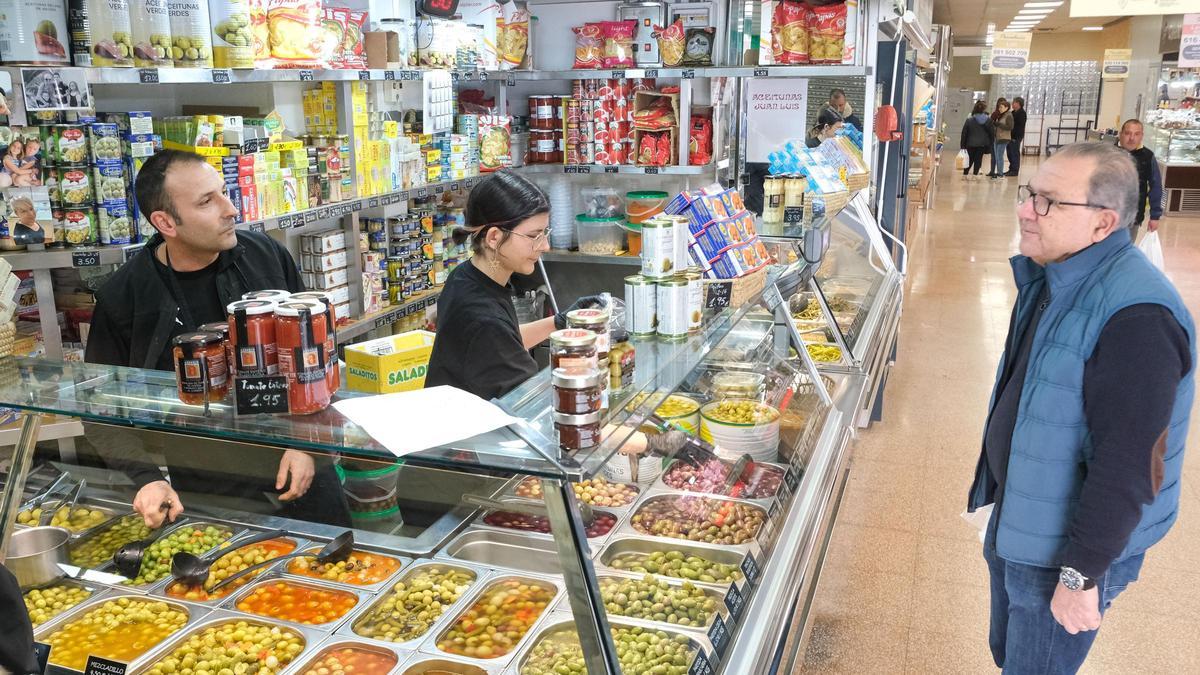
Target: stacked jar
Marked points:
301	334
579	385
201	374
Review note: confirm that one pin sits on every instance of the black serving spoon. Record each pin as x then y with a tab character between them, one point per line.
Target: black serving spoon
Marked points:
128	558
193	570
335	551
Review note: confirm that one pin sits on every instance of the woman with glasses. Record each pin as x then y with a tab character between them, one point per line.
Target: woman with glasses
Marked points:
480	346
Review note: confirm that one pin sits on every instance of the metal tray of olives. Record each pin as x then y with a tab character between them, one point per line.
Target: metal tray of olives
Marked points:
775	505
421	664
430	645
110	513
79	540
593	542
315	545
511	493
354	620
94	590
179	525
301	666
159	587
195	614
718	613
229	604
507	549
747	566
758	543
309	638
702	658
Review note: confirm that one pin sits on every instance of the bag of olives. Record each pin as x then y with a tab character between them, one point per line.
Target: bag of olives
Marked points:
233	41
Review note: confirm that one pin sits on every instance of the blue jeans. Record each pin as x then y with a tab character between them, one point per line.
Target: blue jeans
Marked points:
998	150
1014	156
1021	615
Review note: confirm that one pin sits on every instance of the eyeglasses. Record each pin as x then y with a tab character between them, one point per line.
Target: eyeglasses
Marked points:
537	239
1042	203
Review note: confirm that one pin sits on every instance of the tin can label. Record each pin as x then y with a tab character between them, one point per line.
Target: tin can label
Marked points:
672	309
641	308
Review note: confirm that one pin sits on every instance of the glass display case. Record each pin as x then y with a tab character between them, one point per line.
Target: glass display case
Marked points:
498	553
1174	145
1174	136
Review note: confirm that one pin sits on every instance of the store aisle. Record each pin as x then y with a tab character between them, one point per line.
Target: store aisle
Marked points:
904	588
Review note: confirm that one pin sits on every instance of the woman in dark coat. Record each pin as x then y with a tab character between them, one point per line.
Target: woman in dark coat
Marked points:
976	138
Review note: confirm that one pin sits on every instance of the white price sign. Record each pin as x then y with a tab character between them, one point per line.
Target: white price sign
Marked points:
777	113
1116	64
1189	42
1010	53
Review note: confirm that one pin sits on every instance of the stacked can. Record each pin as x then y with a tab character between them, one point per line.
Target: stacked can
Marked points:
68	178
605	120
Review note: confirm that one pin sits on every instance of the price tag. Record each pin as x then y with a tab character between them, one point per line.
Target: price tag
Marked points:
148	75
612	169
718	635
750	569
717	295
412	75
469	75
793	214
455	187
383	321
323	213
510	81
439	189
402	197
85	258
618	74
688	74
373	202
483	77
773	510
651	72
256	395
306	76
310	217
364	75
700	666
455	76
258	226
221	76
422	193
132	251
470	182
284	222
98	666
650	170
735	603
792	478
761	72
389	75
41	651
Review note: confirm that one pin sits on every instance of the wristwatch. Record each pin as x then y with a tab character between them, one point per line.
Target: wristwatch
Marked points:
1074	580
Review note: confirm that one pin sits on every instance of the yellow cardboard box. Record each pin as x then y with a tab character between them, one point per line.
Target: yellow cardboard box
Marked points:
389	364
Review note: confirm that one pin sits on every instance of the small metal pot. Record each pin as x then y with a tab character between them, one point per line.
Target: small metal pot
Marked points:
35	555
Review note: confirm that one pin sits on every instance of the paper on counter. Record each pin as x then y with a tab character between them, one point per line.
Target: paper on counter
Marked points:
412	421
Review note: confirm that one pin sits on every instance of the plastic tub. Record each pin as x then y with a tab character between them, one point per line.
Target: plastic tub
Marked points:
642	205
369	482
600	236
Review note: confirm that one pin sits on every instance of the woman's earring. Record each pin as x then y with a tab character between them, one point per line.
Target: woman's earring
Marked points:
494	261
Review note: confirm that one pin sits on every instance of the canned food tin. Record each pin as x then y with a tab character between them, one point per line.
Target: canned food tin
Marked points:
672	300
105	141
680	239
695	279
69	145
115	224
109	181
641	302
34	33
658	248
50	180
75	187
78	227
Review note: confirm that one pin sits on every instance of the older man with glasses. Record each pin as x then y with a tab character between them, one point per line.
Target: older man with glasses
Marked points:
1084	438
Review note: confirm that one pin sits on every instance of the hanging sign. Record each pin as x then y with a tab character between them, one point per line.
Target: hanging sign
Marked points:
1116	64
1010	53
777	112
1128	7
985	61
1189	42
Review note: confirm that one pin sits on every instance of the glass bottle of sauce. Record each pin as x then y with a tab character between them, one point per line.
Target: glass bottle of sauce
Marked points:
252	336
221	328
301	331
200	367
576	392
573	349
331	359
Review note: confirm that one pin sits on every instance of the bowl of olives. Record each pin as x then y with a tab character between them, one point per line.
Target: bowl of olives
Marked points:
741	426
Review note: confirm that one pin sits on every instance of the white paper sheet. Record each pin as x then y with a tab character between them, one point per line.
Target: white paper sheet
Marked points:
411	421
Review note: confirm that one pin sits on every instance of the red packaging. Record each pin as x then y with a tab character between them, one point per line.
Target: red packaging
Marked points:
621	110
643	84
700	138
645	151
578	89
605	90
789	33
601	156
616	150
588	151
602	136
630	152
573	111
587	132
354	46
662	154
827	33
589	46
618	43
591	89
573	156
624	88
620	130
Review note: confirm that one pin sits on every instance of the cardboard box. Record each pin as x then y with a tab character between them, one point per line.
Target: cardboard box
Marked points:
389	364
383	50
331	279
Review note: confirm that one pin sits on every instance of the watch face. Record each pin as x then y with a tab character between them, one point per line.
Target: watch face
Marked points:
1071	579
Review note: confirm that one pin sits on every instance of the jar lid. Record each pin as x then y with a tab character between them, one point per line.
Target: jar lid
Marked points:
294	307
576	420
251	307
219	327
268	294
191	341
565	378
638	280
572	337
674	281
319	296
588	316
646	194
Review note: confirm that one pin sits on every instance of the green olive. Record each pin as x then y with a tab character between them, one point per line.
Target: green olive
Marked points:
414	603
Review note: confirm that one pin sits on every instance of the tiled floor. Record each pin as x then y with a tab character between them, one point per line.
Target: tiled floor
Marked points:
904	588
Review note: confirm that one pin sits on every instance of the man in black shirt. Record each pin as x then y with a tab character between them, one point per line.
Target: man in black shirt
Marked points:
1150	187
190	270
1018	135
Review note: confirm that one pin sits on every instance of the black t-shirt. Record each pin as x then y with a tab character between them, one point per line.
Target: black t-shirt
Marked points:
478	346
200	297
23	234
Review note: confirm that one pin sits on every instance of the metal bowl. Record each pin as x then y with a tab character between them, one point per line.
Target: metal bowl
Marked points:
35	555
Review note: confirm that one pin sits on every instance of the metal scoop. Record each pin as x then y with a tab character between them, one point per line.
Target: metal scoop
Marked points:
527	508
67	501
735	473
335	551
193	570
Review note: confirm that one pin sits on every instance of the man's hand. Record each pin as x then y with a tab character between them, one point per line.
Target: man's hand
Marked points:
1076	611
1152	225
157	502
300	467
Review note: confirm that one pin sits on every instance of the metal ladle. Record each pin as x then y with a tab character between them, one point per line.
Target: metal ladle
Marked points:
335	551
192	570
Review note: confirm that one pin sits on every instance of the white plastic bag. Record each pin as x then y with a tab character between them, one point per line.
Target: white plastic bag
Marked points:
1152	247
961	160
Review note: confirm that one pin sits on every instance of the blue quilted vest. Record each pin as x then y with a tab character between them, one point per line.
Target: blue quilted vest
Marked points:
1051	444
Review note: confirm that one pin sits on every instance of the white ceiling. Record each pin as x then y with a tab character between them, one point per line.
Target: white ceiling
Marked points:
969	18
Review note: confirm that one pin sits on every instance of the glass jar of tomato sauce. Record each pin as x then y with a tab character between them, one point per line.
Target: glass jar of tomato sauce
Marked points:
300	333
200	367
252	338
331	358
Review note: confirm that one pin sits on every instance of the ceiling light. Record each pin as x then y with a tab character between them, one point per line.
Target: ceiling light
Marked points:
1042	4
1018	30
1093	28
1033	13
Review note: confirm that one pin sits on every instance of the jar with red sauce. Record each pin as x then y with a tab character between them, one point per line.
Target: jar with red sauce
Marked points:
577	432
595	320
573	349
331	358
300	333
268	294
252	337
221	328
576	392
542	146
542	111
200	371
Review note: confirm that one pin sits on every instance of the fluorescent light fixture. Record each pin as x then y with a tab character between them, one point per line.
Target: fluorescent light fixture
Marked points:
1026	10
1042	4
1017	30
1093	28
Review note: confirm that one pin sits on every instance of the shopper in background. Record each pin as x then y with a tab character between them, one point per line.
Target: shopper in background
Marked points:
839	105
480	347
976	138
188	272
1002	124
827	126
1149	178
1018	136
1083	445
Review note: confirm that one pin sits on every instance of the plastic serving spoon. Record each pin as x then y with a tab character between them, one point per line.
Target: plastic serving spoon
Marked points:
335	551
192	570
